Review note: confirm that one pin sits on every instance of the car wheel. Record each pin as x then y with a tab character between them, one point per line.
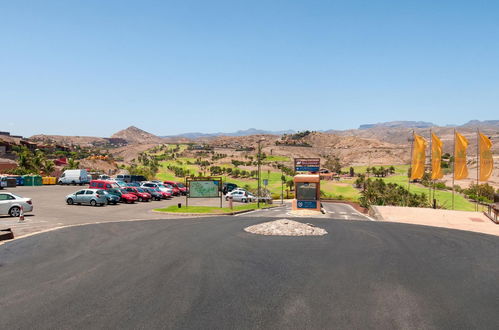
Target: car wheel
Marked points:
244	200
115	203
15	211
93	202
140	199
70	201
227	199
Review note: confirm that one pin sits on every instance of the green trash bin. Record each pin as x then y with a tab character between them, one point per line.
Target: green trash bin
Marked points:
28	180
33	180
38	180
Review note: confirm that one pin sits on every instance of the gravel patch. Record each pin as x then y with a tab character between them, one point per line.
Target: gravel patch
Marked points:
285	227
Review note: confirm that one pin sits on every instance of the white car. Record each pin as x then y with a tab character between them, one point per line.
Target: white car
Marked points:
161	186
240	196
10	204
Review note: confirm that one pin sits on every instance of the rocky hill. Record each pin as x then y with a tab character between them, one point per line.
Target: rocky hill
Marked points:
133	135
83	141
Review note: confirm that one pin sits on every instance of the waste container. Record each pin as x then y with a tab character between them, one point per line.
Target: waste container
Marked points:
32	180
46	180
11	182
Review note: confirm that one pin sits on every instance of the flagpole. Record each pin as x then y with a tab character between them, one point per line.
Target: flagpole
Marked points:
454	168
431	166
477	166
411	169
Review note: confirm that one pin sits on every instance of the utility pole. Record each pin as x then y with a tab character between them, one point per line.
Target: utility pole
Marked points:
259	170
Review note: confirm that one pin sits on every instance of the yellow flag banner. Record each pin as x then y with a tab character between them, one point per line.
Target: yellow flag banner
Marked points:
460	166
486	160
436	157
418	157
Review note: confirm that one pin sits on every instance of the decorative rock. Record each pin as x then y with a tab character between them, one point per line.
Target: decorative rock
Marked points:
285	227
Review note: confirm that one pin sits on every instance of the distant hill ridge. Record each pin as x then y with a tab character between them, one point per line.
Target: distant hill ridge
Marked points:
248	132
399	124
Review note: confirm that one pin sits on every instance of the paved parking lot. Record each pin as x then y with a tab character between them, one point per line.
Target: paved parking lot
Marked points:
51	210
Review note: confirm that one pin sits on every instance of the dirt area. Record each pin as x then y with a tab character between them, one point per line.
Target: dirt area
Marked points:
493	180
462	220
285	227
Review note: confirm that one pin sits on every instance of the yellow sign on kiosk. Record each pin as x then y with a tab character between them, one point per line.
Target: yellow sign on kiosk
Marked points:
307	192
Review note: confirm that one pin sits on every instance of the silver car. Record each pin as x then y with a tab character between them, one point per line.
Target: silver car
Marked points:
92	197
10	204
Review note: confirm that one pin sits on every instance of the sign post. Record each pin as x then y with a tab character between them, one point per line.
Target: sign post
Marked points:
307	186
203	187
307	164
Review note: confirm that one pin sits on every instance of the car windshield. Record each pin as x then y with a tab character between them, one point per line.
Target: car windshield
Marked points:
180	185
123	191
140	190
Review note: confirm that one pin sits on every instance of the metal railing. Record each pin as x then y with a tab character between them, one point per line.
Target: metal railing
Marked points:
493	212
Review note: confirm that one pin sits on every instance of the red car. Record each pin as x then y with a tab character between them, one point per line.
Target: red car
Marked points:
126	197
182	188
165	194
141	195
173	185
103	184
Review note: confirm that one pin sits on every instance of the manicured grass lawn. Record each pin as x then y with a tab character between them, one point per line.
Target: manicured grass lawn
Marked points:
399	169
339	190
211	209
274	158
443	197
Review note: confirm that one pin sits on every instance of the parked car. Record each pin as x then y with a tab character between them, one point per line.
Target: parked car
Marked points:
124	177
3	182
142	196
160	186
239	196
124	195
183	188
102	184
155	195
103	177
87	196
228	187
175	189
111	198
121	184
133	184
137	178
164	194
10	204
74	177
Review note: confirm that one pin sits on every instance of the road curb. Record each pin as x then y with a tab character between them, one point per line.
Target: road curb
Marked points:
373	212
212	214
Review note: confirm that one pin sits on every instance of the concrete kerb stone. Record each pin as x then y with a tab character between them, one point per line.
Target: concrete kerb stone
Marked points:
211	214
374	212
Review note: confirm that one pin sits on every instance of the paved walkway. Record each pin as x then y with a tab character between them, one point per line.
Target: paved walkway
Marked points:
463	220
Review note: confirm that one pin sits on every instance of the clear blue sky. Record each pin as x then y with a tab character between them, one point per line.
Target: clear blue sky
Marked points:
95	67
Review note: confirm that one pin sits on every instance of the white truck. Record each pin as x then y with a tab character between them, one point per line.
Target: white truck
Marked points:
74	177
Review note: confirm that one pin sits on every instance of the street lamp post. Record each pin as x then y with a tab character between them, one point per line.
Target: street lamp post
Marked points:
259	166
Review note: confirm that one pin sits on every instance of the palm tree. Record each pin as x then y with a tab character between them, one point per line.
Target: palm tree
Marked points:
72	164
48	167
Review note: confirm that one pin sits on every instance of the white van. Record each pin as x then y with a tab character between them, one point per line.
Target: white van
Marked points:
75	177
124	177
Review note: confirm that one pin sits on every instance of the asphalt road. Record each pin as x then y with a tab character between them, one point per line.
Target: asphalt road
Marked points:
210	274
339	211
51	210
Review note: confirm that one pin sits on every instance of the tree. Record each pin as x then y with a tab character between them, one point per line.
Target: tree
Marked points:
72	164
352	172
333	164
